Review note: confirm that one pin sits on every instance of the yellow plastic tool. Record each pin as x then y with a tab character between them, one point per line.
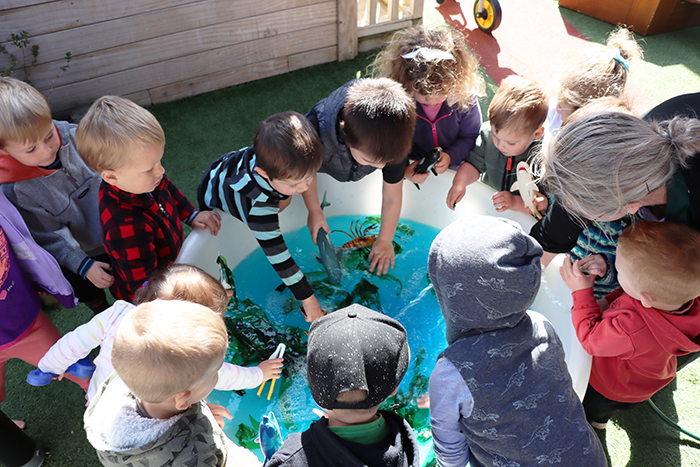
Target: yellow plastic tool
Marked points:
278	353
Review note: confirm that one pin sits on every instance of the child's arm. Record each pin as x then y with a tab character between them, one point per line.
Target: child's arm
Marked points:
316	220
450	401
189	215
99	275
205	219
466	175
233	377
504	200
469	127
594	265
382	255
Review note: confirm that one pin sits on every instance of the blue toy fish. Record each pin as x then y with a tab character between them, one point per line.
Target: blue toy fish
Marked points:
269	436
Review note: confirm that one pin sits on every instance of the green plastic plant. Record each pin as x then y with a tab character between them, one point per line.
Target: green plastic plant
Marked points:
22	43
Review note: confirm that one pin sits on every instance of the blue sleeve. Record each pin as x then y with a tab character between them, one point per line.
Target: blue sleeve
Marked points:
450	401
468	132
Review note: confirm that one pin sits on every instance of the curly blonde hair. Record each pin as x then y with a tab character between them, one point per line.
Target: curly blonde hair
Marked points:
599	71
459	78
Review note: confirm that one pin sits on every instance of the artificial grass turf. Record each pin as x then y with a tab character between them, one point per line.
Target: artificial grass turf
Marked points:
201	128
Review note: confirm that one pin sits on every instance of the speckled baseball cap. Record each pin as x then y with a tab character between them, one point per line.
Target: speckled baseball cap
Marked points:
355	348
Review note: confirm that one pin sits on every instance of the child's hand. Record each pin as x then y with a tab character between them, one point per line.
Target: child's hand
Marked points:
381	257
455	195
206	219
312	309
503	201
99	275
316	220
271	368
541	202
423	401
573	277
319	413
443	163
411	175
594	265
220	413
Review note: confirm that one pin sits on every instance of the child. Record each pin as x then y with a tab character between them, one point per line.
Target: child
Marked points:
366	124
511	135
177	282
442	75
255	183
25	331
43	175
151	411
500	394
636	333
596	72
356	358
141	211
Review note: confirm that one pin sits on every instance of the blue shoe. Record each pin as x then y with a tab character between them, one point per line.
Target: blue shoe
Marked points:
82	369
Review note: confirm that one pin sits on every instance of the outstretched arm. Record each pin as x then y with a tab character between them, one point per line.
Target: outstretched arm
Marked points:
316	220
382	255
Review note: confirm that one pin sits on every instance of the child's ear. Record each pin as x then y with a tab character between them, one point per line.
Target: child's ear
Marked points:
647	300
539	132
3	153
182	400
261	172
109	176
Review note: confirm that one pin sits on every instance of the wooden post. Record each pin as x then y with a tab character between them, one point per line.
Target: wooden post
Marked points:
347	30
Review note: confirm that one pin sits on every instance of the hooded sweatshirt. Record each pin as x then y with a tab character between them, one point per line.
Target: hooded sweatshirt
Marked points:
319	447
634	348
121	435
500	393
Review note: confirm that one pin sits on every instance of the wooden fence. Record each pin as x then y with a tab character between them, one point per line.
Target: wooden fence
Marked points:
154	51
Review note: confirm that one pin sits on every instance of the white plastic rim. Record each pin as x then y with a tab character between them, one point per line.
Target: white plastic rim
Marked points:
427	206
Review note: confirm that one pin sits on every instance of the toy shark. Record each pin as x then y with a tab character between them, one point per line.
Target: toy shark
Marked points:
269	436
526	186
329	257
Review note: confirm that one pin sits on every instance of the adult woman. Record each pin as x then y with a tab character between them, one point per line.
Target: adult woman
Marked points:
606	165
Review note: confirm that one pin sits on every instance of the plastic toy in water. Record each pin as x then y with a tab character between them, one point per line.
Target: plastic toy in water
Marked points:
269	436
278	353
226	277
525	184
82	369
360	235
329	257
428	163
487	14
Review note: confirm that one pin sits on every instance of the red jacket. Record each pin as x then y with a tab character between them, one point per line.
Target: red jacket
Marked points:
634	348
142	233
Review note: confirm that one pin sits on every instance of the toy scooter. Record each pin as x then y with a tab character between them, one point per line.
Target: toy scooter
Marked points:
487	14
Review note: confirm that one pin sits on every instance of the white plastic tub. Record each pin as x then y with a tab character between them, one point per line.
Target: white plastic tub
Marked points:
426	206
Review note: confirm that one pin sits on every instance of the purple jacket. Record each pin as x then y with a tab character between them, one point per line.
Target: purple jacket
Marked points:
454	130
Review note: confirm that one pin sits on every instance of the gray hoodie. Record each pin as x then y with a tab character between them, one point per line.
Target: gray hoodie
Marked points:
500	393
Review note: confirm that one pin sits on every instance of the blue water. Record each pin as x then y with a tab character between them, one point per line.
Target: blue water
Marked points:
405	294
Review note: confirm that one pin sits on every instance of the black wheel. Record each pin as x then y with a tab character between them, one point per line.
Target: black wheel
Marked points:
489	18
440	2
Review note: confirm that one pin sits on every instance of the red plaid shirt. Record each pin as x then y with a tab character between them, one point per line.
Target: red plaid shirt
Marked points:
141	233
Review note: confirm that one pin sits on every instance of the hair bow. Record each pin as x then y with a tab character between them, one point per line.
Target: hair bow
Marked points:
429	54
622	60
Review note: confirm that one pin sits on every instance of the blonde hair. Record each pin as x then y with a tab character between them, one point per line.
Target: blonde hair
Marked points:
184	282
25	115
599	71
520	104
163	348
602	104
665	258
599	163
110	129
459	78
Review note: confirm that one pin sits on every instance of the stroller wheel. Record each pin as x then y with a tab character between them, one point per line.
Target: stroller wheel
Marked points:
488	17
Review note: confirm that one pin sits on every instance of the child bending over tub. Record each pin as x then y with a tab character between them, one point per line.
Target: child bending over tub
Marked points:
512	135
636	333
500	394
177	282
255	183
442	75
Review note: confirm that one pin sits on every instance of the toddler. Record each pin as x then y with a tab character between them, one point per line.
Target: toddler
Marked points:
151	411
500	394
364	125
356	359
141	210
177	282
442	75
255	183
596	72
636	333
511	135
43	175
